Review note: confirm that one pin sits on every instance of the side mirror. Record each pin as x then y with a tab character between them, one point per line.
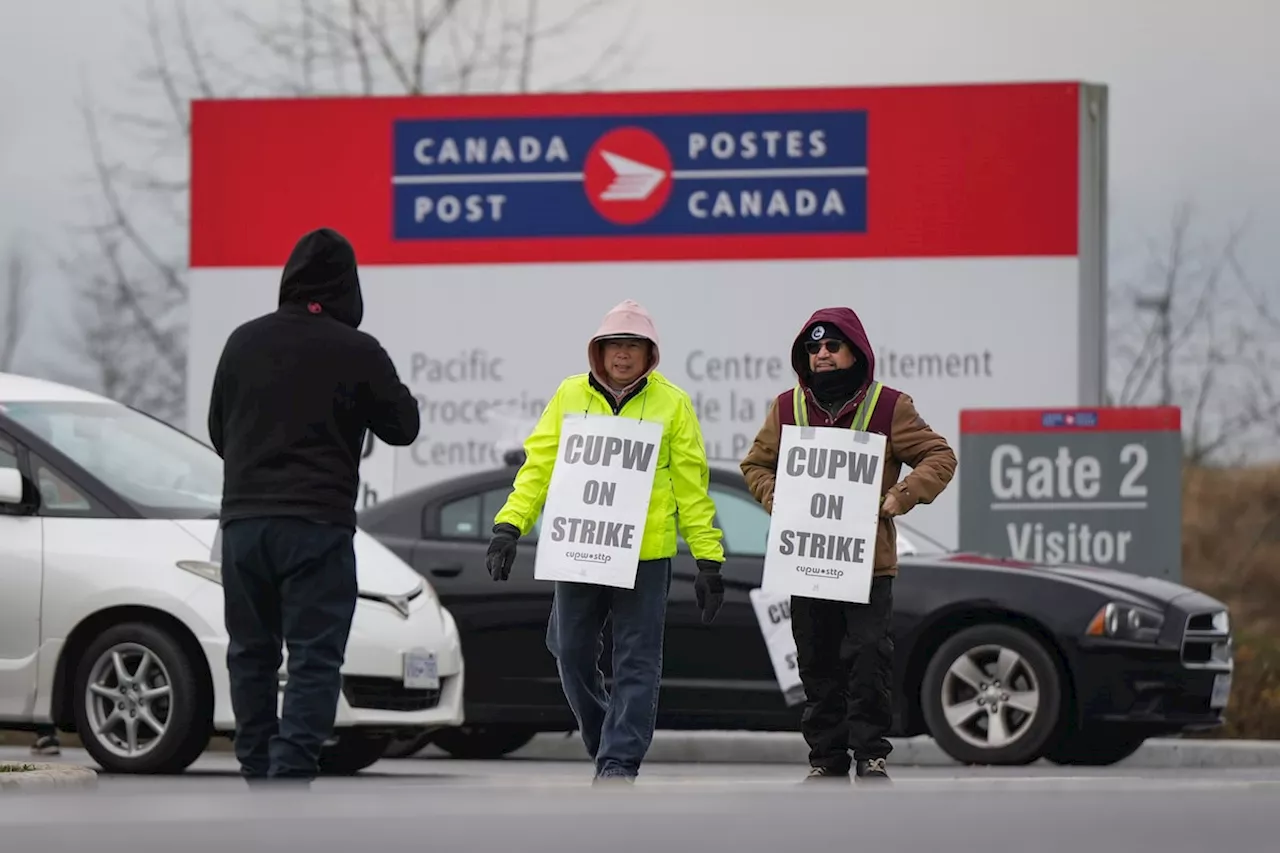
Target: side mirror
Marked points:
11	491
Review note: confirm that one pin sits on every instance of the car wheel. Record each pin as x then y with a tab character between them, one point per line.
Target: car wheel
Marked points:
992	695
354	751
409	745
139	707
1097	747
482	742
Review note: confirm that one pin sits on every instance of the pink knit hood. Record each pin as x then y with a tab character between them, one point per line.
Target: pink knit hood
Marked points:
627	318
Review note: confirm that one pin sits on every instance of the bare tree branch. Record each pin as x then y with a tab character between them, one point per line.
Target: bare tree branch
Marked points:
362	54
526	47
1255	294
14	310
167	83
468	64
203	87
1213	333
130	258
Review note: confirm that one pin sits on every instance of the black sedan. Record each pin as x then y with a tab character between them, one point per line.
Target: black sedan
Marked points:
1001	662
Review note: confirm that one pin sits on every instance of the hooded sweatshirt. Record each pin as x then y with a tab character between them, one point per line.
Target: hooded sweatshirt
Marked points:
836	392
679	497
627	319
296	390
832	401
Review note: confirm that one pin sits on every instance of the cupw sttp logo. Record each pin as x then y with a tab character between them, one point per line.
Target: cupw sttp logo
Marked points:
712	175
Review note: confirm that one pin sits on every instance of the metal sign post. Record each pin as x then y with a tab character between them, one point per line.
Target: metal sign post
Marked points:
1095	487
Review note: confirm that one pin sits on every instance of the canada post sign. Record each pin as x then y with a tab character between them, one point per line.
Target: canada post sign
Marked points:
591	176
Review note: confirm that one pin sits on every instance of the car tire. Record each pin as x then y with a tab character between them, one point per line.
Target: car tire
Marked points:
482	742
165	694
354	751
1099	746
408	745
958	712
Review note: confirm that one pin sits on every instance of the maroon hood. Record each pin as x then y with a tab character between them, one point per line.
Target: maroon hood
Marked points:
848	323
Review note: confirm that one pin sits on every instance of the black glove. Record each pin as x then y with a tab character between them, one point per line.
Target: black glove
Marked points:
709	588
502	551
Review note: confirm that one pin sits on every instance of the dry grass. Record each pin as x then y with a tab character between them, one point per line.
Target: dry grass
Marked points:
1231	550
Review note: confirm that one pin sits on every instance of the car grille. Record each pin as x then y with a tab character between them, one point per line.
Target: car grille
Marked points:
386	694
1206	641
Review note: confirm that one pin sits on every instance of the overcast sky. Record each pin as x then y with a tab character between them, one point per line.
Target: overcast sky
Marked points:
1194	108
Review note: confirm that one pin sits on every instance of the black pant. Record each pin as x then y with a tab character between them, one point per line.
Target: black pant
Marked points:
286	580
845	656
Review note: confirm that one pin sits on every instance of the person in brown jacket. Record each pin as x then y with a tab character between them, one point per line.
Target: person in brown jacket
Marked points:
845	651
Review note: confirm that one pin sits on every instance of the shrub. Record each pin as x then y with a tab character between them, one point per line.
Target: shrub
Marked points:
1231	550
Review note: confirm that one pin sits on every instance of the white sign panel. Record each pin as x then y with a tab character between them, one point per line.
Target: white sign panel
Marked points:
598	500
479	392
964	224
826	510
773	612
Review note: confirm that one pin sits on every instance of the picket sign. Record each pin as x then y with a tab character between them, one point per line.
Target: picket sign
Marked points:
598	500
773	612
826	511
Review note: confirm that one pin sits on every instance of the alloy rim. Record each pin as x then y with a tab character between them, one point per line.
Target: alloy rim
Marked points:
990	696
129	700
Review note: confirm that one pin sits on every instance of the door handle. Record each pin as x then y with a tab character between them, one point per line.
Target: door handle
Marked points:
446	571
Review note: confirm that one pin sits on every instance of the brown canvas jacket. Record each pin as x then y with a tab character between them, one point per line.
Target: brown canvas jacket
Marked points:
909	441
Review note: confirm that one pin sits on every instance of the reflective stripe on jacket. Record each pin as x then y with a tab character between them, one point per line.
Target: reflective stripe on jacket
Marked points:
861	417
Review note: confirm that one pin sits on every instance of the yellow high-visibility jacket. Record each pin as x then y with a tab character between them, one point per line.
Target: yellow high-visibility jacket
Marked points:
679	483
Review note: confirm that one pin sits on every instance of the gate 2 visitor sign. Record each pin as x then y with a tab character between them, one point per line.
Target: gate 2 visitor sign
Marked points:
1096	487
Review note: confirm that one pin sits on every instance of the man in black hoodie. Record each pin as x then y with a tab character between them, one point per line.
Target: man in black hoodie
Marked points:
293	395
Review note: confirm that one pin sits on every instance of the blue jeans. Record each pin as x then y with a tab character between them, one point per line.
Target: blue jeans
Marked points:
291	581
616	728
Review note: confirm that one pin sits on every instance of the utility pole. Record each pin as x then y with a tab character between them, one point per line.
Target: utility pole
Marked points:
1163	307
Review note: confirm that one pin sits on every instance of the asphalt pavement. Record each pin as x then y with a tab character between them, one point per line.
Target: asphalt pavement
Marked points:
531	806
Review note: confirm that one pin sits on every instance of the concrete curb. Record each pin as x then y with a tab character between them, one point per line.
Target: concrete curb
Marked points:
25	776
721	747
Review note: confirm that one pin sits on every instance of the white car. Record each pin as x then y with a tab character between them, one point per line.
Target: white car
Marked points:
111	607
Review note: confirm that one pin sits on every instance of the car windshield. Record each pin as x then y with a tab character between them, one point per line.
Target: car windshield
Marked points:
161	471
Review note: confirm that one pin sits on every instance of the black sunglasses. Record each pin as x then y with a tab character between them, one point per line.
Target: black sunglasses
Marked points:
815	347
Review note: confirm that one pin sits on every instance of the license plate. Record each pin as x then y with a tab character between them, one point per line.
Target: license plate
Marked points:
1221	691
420	672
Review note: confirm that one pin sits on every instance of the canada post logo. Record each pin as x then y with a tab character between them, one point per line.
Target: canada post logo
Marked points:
604	176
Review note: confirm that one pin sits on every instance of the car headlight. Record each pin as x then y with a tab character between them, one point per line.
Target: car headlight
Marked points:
205	569
1126	622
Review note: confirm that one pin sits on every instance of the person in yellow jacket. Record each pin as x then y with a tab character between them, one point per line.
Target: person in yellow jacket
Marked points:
617	729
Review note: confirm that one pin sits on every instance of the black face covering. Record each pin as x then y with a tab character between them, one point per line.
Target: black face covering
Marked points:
836	386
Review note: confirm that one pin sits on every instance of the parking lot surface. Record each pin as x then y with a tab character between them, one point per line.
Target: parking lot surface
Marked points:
533	806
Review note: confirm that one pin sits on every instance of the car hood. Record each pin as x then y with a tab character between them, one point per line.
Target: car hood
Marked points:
378	569
1108	581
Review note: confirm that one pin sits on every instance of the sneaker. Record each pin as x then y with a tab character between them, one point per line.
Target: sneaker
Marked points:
46	745
613	780
822	774
873	770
